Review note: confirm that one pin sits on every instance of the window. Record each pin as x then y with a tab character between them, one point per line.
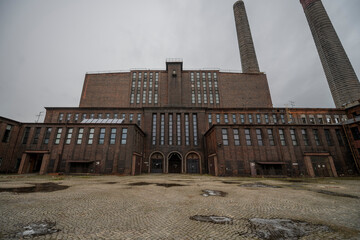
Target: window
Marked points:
156	87
210	119
217	118
113	136
92	115
36	135
83	116
328	137
26	135
123	116
91	135
178	128
133	88
187	131
80	136
131	117
192	88
258	118
337	119
305	137
139	119
339	137
47	135
69	135
328	119
271	137
274	118
61	117
107	115
58	136
170	129
234	118
293	137
154	129
242	118
162	129
316	137
100	116
225	138
226	118
247	136
195	134
236	137
76	117
250	118
102	136
312	119
320	119
116	116
282	117
355	133
124	136
68	117
259	137
282	137
266	118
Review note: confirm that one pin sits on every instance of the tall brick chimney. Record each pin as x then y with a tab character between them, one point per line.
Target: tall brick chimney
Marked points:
343	82
249	61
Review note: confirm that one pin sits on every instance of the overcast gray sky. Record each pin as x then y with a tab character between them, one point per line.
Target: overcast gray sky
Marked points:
47	46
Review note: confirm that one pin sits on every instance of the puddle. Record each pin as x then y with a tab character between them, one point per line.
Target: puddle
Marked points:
140	184
37	229
281	229
38	187
167	185
212	219
228	182
207	193
335	194
110	182
258	185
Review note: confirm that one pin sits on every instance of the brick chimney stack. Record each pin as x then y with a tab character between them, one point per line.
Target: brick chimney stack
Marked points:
249	61
343	82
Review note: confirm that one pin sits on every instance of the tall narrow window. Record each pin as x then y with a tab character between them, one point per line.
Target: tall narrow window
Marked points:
139	119
204	87
247	136
210	119
217	118
217	98
250	118
80	136
58	136
258	118
69	135
131	117
225	137
150	87
92	115
68	117
339	137
144	88
124	136
328	137
100	116
132	95
26	135
61	117
266	118
36	135
274	118
328	119
154	129
170	129
156	88
282	137
116	116
195	129
123	116
236	137
316	137
259	137
192	81
178	128
211	96
242	118
162	129
113	136
282	117
107	115
293	137
226	118
91	135
234	118
47	135
102	136
305	137
187	130
271	137
138	88
83	116
76	118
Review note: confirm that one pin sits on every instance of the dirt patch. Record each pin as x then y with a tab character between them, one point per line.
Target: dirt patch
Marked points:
281	229
37	229
207	193
110	182
212	219
258	185
228	182
335	194
38	187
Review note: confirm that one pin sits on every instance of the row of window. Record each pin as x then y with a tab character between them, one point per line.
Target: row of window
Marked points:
273	118
142	90
204	89
90	133
303	136
175	119
77	117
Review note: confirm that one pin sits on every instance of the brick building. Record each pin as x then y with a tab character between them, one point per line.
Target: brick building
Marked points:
180	121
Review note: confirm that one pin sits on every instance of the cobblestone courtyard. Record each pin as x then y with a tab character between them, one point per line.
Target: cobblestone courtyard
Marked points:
160	207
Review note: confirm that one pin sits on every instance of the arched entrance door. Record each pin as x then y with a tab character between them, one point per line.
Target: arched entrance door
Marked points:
175	163
156	163
193	163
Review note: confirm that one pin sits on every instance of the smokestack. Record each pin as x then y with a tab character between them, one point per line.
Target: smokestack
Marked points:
249	61
341	77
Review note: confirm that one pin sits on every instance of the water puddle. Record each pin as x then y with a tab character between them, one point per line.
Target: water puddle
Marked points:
140	184
335	194
37	229
167	185
258	185
228	182
38	187
110	182
207	193
281	229
212	219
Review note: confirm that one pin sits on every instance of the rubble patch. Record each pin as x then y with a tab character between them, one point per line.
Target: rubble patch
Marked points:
37	229
208	192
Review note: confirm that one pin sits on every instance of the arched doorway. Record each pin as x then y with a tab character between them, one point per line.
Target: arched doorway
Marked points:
174	163
156	163
193	163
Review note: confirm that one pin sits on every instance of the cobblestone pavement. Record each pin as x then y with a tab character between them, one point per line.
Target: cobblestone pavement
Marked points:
160	206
